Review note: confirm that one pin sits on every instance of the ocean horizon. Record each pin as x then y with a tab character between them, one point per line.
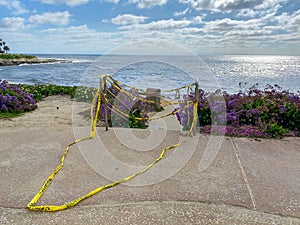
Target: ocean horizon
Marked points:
213	72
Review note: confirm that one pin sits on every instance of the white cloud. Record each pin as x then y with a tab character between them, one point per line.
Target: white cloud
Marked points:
112	1
105	21
248	33
14	5
247	13
67	2
80	39
231	5
289	22
55	18
182	13
197	19
159	25
228	24
126	19
148	3
12	24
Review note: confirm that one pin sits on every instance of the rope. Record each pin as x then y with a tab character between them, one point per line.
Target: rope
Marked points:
95	108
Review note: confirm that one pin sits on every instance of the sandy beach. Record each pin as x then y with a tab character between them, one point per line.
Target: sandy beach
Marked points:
249	182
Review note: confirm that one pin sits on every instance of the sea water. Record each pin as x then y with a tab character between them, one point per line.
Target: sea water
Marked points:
165	72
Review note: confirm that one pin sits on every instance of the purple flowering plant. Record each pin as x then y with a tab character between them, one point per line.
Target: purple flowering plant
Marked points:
271	112
13	99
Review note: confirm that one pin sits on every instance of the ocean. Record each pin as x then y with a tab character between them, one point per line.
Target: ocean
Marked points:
165	72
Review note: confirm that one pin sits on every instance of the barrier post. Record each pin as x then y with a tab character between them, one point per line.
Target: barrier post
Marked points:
196	99
105	104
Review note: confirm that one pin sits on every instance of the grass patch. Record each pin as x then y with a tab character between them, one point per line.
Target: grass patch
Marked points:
8	115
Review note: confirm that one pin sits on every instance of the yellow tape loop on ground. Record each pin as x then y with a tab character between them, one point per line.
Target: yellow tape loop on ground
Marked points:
95	108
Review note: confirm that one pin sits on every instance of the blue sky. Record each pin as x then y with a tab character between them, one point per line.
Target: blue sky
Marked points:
203	26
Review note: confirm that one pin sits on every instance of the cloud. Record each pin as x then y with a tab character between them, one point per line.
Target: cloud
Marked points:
112	1
198	19
55	18
248	33
105	21
15	6
289	22
12	24
158	25
76	32
247	13
67	2
231	5
148	3
80	39
126	19
182	13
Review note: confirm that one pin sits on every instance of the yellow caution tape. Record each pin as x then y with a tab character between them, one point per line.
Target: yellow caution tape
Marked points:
148	118
146	100
95	108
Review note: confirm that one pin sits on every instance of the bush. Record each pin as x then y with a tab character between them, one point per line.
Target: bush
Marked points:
16	56
254	113
14	100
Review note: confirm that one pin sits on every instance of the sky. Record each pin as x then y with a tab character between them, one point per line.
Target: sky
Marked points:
202	26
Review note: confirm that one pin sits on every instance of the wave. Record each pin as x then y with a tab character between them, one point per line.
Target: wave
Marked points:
82	61
47	63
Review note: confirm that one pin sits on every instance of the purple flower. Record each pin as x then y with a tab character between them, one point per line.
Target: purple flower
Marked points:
4	100
282	109
232	103
232	116
4	108
178	117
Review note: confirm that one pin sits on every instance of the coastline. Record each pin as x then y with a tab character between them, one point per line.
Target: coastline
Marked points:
16	62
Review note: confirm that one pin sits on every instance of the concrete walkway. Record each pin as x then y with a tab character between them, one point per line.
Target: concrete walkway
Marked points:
248	182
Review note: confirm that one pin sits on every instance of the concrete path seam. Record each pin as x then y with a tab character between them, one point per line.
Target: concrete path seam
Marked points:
244	174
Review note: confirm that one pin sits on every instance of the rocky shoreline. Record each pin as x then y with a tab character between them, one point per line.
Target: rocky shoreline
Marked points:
15	62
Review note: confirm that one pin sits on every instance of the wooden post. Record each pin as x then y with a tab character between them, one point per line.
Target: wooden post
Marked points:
196	99
105	104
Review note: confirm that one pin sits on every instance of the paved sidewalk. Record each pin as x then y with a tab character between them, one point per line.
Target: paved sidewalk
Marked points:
249	181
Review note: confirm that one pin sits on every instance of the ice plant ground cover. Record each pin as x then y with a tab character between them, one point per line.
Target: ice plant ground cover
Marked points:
271	112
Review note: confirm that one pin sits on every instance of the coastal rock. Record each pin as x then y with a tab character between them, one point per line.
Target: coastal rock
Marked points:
14	62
